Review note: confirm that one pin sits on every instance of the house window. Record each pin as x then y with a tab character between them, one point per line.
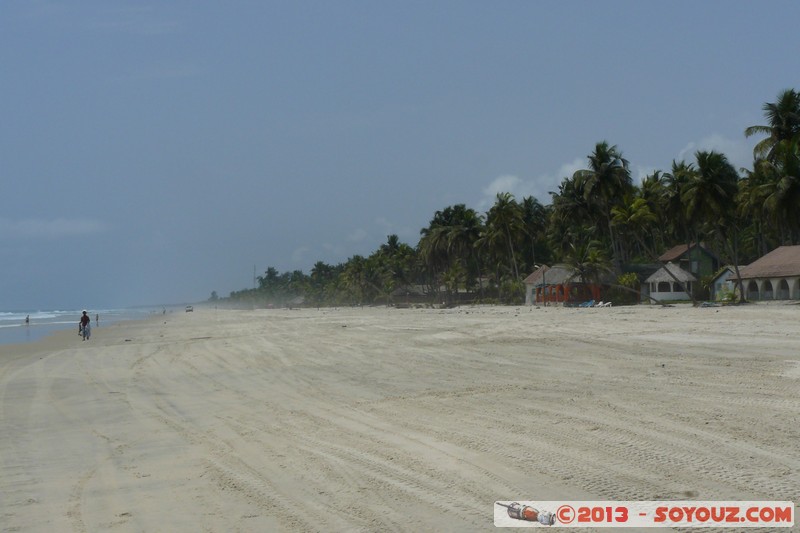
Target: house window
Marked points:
663	286
695	266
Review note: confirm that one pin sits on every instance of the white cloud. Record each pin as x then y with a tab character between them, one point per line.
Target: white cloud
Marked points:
738	151
502	184
538	187
32	228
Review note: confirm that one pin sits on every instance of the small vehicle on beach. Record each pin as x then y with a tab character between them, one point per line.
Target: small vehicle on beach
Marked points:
189	308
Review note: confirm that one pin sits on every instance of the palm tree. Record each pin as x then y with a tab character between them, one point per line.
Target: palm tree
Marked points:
432	253
750	206
505	218
391	246
354	278
710	195
674	209
783	118
320	279
450	239
604	185
781	188
490	247
393	265
570	214
710	199
636	221
653	192
534	219
462	236
775	179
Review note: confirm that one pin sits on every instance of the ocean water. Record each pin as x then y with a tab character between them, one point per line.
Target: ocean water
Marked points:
14	330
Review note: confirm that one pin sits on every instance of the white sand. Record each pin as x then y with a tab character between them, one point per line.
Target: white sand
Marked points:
393	419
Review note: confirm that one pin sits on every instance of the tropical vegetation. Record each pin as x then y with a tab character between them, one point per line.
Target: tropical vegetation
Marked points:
599	221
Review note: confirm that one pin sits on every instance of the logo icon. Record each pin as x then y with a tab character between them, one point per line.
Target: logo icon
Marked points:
529	514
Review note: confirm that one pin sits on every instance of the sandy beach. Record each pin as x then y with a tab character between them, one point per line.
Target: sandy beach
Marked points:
382	419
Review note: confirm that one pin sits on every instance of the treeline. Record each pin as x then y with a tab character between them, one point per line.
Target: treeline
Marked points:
598	221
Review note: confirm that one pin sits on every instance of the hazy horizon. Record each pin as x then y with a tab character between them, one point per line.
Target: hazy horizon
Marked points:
156	152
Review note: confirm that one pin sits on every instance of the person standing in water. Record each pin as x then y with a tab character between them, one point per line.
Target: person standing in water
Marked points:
85	326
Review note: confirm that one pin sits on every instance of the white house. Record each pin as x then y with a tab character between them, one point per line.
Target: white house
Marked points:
662	286
776	276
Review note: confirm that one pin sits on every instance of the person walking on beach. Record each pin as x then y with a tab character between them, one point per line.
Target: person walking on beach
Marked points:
27	320
85	326
97	320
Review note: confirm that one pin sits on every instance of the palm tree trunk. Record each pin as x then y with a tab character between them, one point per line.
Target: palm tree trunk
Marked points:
513	257
614	247
733	251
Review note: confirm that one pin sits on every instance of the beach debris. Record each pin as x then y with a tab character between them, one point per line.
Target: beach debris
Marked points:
529	514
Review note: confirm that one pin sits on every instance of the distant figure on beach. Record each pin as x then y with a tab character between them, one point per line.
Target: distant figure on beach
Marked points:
85	326
97	320
27	320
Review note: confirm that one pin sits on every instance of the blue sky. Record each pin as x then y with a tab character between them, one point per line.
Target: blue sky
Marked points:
151	152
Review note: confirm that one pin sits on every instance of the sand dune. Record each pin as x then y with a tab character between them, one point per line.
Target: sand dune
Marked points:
394	419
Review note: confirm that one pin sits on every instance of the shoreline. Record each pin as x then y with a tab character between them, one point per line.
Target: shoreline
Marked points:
14	330
65	339
395	419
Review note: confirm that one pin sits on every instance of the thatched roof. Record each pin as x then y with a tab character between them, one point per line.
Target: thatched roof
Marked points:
662	274
781	262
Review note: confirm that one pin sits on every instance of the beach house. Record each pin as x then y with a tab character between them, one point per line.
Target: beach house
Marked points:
663	286
559	284
695	258
776	276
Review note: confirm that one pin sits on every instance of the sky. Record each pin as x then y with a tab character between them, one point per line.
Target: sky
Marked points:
154	152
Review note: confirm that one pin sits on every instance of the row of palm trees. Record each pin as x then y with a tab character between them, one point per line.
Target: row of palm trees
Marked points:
598	221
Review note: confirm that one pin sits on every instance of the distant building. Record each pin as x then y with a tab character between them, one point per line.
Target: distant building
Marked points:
776	276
